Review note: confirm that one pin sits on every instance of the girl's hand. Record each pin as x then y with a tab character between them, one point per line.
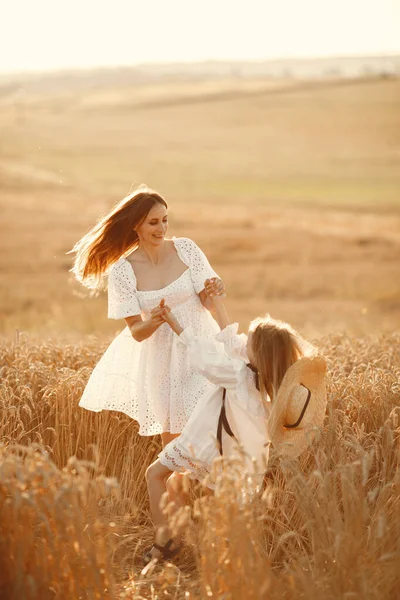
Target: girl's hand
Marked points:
156	317
214	287
164	312
157	314
170	318
161	311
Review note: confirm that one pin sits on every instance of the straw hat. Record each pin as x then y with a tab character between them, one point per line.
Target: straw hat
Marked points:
299	407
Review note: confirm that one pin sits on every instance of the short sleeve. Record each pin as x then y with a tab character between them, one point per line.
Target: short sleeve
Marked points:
122	293
196	260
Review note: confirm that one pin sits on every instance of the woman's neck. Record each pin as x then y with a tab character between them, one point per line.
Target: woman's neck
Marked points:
154	254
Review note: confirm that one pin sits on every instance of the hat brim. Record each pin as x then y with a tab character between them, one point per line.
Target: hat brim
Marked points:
310	373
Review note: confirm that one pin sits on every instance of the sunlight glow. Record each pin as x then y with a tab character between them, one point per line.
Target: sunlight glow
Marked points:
50	34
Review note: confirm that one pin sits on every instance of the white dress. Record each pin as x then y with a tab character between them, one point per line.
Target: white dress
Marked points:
223	360
153	381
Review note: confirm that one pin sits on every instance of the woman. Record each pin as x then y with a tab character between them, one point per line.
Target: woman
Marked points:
145	372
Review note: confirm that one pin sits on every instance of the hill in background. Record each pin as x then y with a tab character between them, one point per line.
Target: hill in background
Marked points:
83	80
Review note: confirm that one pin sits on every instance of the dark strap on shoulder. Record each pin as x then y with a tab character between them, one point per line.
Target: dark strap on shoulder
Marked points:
223	423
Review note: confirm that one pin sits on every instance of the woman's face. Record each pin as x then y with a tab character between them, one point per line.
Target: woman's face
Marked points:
154	227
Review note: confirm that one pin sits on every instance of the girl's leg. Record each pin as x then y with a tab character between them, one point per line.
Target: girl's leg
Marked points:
174	480
156	476
178	497
175	489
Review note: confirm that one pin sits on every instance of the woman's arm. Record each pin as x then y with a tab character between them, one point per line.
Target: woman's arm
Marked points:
141	330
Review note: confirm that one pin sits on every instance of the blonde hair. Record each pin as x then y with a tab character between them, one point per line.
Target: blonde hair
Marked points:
113	236
276	346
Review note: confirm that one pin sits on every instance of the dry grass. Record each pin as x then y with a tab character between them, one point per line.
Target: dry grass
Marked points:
53	542
296	189
324	528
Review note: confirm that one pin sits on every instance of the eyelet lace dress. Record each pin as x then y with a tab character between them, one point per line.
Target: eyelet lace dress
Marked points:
153	381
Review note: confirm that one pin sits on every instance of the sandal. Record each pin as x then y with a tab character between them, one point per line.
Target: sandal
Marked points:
166	552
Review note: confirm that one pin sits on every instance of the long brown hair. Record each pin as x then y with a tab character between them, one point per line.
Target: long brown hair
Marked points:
276	346
113	236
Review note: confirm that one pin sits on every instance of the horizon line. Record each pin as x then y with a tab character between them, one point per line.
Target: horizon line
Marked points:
200	61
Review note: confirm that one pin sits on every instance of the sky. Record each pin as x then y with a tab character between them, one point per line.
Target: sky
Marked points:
55	34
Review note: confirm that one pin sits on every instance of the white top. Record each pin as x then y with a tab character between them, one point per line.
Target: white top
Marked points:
153	381
223	360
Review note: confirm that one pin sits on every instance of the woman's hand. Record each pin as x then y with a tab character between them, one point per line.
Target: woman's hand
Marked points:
215	291
214	287
142	329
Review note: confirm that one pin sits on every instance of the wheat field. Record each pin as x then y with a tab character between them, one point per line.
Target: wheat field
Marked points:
292	190
75	517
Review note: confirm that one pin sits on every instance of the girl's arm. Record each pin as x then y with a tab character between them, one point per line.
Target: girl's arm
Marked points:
221	315
234	344
206	301
207	355
215	291
212	287
172	321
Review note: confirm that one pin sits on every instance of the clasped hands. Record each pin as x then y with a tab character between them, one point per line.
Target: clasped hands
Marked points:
162	313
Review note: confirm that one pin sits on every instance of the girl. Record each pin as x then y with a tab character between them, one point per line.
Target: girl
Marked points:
145	372
248	371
